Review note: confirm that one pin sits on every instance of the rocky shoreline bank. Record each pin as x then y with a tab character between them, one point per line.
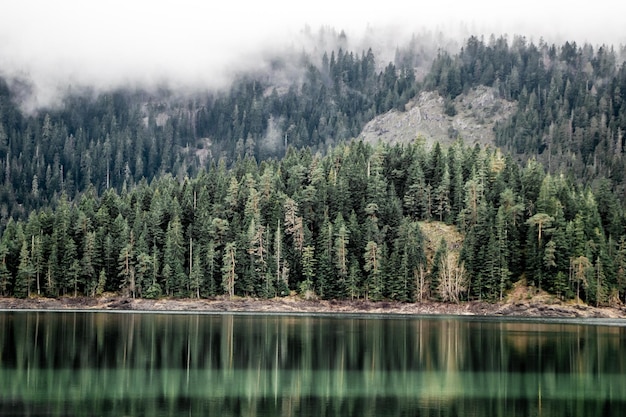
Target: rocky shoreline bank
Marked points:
294	304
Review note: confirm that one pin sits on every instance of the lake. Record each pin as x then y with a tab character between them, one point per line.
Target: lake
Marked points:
150	364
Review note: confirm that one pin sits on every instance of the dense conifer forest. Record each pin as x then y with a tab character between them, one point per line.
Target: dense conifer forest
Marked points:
261	190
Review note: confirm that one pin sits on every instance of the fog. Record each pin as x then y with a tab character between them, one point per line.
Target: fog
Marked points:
197	43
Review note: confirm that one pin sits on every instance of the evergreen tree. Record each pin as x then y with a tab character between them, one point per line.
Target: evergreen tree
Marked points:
373	260
143	273
196	276
258	250
176	282
342	224
341	255
435	270
87	264
127	269
229	274
25	274
5	275
308	270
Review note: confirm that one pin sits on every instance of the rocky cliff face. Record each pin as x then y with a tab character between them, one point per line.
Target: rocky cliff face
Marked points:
476	114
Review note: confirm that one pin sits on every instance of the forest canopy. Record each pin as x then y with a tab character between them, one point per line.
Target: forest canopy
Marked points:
345	224
260	190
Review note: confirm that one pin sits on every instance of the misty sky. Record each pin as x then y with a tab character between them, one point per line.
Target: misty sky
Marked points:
111	42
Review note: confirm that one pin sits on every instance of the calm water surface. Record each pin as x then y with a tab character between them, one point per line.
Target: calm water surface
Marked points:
123	364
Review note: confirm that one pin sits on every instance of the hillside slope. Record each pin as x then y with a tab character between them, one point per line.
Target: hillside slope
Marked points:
477	113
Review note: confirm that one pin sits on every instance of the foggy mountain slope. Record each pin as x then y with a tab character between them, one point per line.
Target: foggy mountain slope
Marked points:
476	115
95	138
554	103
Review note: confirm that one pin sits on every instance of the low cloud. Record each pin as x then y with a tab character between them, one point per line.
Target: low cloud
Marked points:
194	43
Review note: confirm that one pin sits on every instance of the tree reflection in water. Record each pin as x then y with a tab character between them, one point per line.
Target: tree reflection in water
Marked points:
262	365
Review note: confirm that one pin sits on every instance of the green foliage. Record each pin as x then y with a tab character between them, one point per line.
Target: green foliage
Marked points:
24	274
118	138
308	268
189	246
153	291
569	114
449	108
229	274
118	193
102	279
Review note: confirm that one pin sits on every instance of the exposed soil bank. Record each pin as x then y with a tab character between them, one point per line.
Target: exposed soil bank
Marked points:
529	308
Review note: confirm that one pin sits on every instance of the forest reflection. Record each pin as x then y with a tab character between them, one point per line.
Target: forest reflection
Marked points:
169	364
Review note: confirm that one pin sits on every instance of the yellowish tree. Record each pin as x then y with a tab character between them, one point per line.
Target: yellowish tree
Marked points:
452	279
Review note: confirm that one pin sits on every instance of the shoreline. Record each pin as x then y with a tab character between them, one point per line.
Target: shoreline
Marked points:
295	305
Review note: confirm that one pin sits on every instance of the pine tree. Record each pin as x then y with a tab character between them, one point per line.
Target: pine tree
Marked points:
354	286
503	250
441	198
408	263
154	289
508	218
67	281
395	287
325	274
340	249
5	275
415	200
126	268
579	268
37	259
308	270
25	274
211	268
87	265
294	225
229	274
143	273
75	277
373	259
174	260
620	263
257	249
196	277
538	225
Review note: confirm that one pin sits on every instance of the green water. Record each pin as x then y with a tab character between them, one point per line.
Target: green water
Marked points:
123	364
